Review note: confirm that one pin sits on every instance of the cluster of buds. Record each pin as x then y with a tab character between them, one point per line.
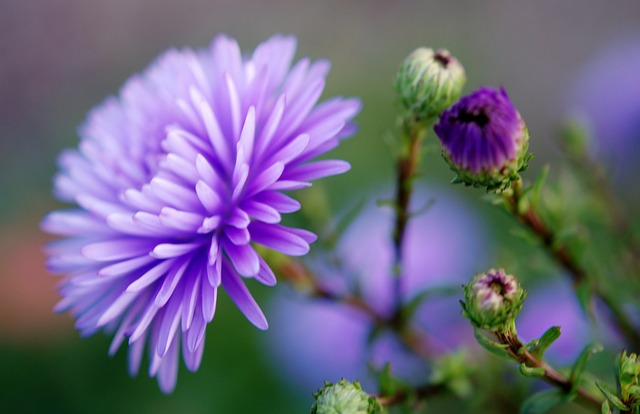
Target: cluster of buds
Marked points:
492	300
484	139
344	397
428	82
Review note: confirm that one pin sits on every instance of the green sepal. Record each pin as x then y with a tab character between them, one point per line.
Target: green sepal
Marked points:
544	400
611	396
536	372
495	348
545	341
605	408
581	364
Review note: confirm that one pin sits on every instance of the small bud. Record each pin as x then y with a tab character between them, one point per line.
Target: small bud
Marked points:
428	82
344	397
484	139
493	300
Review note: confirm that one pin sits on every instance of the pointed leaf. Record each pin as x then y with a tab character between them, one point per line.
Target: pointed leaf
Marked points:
581	364
547	338
611	395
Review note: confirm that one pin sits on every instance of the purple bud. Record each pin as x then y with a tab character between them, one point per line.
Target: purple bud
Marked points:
484	138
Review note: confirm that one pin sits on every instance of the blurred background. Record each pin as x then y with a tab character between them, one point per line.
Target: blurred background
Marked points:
59	58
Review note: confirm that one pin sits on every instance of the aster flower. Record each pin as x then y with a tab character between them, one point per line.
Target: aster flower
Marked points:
484	139
174	181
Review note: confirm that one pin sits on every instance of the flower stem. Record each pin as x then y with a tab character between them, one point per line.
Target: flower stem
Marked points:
406	167
519	353
563	256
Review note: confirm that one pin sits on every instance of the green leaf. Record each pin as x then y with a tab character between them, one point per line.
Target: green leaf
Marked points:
527	371
605	409
545	341
495	348
581	364
544	401
611	395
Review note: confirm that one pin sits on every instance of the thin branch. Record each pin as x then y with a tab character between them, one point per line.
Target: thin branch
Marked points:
521	354
561	254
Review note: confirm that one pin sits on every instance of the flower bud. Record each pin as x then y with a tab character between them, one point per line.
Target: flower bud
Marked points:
428	82
484	139
493	300
344	397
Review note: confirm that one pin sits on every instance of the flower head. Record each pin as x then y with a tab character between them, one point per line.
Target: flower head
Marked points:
492	300
428	82
174	181
484	139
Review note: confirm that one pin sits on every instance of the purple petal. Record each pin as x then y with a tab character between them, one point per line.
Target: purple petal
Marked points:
150	276
280	238
318	169
242	298
116	249
244	258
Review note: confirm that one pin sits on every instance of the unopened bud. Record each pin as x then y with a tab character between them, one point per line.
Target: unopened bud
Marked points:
344	397
493	300
428	82
484	139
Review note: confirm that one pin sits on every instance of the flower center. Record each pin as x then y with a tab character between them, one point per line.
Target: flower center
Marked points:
477	117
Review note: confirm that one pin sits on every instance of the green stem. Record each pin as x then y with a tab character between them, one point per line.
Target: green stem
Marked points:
519	353
406	168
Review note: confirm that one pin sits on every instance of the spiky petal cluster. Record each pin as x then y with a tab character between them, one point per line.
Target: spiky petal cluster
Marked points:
484	138
175	179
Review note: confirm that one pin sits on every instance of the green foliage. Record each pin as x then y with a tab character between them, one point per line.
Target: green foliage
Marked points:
581	364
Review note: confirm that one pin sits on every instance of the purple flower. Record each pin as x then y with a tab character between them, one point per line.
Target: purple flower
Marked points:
484	137
312	341
175	179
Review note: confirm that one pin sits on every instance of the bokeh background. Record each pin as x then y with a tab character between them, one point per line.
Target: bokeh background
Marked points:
59	58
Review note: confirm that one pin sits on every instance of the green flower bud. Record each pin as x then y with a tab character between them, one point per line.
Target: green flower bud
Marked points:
493	300
428	82
344	398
